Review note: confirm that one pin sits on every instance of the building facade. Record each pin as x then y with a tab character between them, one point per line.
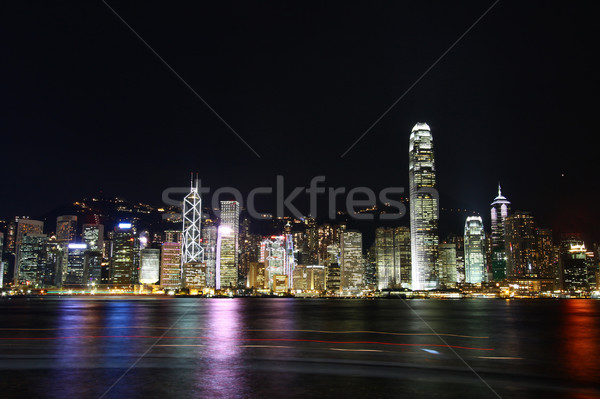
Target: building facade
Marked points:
475	249
424	209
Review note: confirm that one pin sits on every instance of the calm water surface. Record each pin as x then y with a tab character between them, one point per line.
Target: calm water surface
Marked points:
254	348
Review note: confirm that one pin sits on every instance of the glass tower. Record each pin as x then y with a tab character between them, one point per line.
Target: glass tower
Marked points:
227	245
499	213
424	211
475	271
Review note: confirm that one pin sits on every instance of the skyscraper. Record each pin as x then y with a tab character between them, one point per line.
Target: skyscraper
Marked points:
521	245
123	255
24	226
170	266
75	263
577	264
352	265
209	243
424	209
31	256
475	270
93	236
227	245
448	264
192	260
66	228
149	265
500	209
392	257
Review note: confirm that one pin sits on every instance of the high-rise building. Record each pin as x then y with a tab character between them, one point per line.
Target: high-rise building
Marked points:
209	243
149	265
66	228
123	255
546	255
24	227
447	264
1	257
170	266
352	266
520	245
475	270
92	268
277	253
193	268
31	259
577	265
500	209
93	236
227	245
75	263
424	209
392	257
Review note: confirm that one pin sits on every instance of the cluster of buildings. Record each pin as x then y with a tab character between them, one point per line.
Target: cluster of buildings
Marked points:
200	253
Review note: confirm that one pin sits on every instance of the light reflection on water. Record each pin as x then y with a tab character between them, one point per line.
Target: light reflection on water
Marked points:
288	347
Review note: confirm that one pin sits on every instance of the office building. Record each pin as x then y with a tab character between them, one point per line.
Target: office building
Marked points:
475	265
424	209
170	266
500	209
352	267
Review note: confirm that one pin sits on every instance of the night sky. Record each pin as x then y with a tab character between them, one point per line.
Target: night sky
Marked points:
86	106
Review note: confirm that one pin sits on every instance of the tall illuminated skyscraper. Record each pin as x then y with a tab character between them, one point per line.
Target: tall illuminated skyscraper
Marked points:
392	257
170	265
24	226
192	254
123	255
475	271
424	209
521	245
227	245
499	213
352	265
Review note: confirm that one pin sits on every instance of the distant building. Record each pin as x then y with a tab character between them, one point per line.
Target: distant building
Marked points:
352	267
578	265
75	263
170	266
521	245
256	276
209	243
123	260
24	226
392	257
277	253
475	270
499	211
31	259
93	236
424	209
447	264
149	266
333	282
66	228
227	246
192	253
92	268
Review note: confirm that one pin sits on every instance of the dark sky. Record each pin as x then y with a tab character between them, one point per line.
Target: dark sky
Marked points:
87	107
